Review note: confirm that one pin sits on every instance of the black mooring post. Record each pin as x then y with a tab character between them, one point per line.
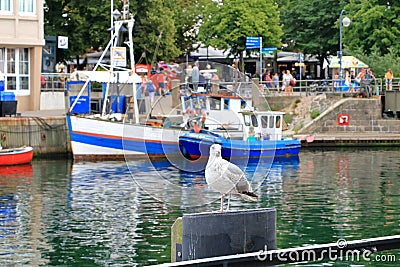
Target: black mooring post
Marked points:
214	234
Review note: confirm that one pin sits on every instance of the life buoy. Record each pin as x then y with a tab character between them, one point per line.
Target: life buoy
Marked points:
190	112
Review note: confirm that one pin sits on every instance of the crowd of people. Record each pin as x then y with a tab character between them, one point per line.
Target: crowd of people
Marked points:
283	82
360	84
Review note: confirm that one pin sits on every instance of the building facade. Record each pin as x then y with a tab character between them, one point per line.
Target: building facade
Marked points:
21	42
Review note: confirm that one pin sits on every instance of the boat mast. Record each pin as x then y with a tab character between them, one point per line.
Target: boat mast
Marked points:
115	29
133	71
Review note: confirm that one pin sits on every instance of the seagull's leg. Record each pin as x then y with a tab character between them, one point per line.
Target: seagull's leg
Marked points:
222	203
229	201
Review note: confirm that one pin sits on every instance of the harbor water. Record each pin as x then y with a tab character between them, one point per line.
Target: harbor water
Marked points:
64	213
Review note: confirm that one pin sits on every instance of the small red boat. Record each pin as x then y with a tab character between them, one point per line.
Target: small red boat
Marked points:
16	156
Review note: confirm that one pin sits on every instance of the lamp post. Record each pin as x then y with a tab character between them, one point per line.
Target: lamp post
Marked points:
345	22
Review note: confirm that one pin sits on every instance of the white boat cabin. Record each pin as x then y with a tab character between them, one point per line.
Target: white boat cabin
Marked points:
216	111
262	125
233	117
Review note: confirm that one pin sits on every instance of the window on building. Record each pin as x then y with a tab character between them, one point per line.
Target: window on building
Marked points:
5	6
14	64
27	6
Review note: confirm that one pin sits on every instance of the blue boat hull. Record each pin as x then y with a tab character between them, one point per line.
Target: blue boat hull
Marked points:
197	145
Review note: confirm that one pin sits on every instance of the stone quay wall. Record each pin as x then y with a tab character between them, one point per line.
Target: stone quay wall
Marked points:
47	135
365	116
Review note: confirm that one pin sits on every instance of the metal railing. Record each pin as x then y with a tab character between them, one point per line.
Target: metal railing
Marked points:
57	82
313	87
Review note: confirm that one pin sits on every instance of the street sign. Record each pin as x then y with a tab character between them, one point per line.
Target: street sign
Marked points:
268	50
63	42
300	57
253	42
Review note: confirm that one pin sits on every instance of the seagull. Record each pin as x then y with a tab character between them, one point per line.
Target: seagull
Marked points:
227	178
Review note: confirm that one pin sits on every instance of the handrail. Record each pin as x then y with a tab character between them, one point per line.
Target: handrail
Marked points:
57	82
315	86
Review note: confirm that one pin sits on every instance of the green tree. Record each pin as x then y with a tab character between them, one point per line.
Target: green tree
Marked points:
85	23
312	26
374	23
226	24
154	31
187	15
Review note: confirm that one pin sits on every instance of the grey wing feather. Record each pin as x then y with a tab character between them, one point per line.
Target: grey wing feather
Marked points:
237	176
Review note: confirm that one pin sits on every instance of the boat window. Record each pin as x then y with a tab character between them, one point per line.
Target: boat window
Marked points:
254	120
246	119
271	121
278	122
202	102
264	121
226	104
215	104
242	104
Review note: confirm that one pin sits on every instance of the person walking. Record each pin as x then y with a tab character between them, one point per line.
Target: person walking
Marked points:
195	76
150	88
276	81
389	79
368	77
287	77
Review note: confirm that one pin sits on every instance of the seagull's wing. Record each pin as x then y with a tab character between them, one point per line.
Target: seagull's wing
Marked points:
236	176
242	185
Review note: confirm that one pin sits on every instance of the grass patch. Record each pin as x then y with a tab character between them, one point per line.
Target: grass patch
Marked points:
288	118
315	113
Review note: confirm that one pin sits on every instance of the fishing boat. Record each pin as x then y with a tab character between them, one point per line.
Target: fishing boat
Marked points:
128	123
262	138
16	156
116	136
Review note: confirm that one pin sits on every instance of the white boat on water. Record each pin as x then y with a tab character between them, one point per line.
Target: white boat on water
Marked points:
126	125
118	135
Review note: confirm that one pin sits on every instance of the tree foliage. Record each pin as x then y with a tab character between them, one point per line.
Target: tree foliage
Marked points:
154	31
305	25
310	26
226	24
375	25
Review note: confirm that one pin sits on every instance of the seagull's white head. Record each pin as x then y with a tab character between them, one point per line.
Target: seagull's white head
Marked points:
215	150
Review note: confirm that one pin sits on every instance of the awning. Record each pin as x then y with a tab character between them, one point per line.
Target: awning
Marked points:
106	76
348	62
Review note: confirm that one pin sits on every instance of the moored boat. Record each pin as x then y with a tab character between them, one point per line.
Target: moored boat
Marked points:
128	123
96	137
262	138
16	156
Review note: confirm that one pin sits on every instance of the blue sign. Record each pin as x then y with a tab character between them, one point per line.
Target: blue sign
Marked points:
82	106
268	50
253	42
